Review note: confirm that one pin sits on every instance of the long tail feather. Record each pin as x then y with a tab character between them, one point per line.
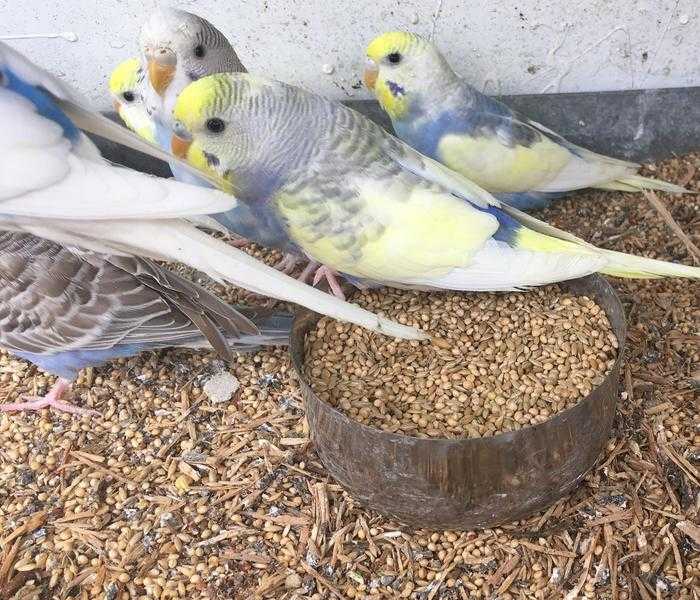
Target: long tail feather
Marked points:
635	183
540	236
274	327
638	267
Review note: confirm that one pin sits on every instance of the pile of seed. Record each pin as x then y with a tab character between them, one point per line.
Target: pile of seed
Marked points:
498	362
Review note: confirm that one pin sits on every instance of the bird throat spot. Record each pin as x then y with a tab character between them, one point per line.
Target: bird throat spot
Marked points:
395	89
212	159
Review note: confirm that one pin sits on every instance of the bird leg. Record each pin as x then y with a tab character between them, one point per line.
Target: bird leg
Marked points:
330	275
287	264
52	400
306	273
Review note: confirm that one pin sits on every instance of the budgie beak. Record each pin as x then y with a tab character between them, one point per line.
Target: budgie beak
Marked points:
180	146
161	69
371	74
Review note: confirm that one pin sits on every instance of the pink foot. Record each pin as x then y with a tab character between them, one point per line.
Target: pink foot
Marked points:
306	273
239	242
52	399
330	276
287	264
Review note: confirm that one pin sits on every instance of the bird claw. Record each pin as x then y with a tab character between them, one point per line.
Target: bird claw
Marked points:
287	264
239	242
51	400
330	276
308	269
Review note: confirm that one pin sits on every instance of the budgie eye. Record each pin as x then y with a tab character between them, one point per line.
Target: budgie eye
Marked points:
199	51
215	125
394	58
129	96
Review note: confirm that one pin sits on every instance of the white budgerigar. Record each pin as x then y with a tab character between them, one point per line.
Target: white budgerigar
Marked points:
54	184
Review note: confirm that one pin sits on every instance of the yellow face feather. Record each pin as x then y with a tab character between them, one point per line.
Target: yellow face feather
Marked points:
201	99
125	77
385	73
124	87
393	41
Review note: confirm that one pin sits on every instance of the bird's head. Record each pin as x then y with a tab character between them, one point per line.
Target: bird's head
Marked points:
401	67
179	47
212	122
125	83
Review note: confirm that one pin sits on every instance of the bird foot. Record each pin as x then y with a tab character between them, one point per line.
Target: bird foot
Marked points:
239	242
330	276
51	400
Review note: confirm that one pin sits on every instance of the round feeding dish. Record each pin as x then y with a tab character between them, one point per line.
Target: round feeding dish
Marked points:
466	483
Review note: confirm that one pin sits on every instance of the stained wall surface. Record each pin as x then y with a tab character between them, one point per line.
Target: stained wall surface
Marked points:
511	47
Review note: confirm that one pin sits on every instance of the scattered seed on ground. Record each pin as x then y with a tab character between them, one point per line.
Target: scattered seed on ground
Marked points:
90	508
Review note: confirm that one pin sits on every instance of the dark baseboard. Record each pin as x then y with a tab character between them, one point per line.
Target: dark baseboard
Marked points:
640	125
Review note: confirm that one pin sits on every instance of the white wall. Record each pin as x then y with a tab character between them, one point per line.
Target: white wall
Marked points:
515	46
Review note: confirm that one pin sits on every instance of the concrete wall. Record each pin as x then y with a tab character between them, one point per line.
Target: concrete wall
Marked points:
516	46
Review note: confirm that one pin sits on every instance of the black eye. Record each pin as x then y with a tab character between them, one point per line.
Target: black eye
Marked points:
199	51
129	96
394	58
215	125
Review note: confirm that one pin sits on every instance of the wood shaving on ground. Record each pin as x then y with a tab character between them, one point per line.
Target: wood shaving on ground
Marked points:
168	495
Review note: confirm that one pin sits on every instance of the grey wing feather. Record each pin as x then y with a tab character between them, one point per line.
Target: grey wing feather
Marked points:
52	298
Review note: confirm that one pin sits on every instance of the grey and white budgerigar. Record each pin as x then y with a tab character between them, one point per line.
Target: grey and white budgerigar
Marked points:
65	310
442	116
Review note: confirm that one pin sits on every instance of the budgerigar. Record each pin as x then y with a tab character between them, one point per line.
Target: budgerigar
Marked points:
177	48
55	185
443	117
366	204
126	88
65	310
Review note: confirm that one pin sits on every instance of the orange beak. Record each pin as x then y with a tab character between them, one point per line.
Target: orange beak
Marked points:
160	75
117	105
371	73
180	147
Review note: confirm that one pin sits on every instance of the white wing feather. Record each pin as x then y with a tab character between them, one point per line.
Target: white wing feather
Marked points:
499	267
94	200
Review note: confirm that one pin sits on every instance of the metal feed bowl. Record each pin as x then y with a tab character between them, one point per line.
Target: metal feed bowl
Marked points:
466	483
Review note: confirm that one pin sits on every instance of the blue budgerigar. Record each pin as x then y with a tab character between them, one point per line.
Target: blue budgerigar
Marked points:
521	162
55	185
65	310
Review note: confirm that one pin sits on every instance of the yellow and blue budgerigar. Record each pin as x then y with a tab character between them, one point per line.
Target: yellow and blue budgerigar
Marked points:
126	88
367	205
443	117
